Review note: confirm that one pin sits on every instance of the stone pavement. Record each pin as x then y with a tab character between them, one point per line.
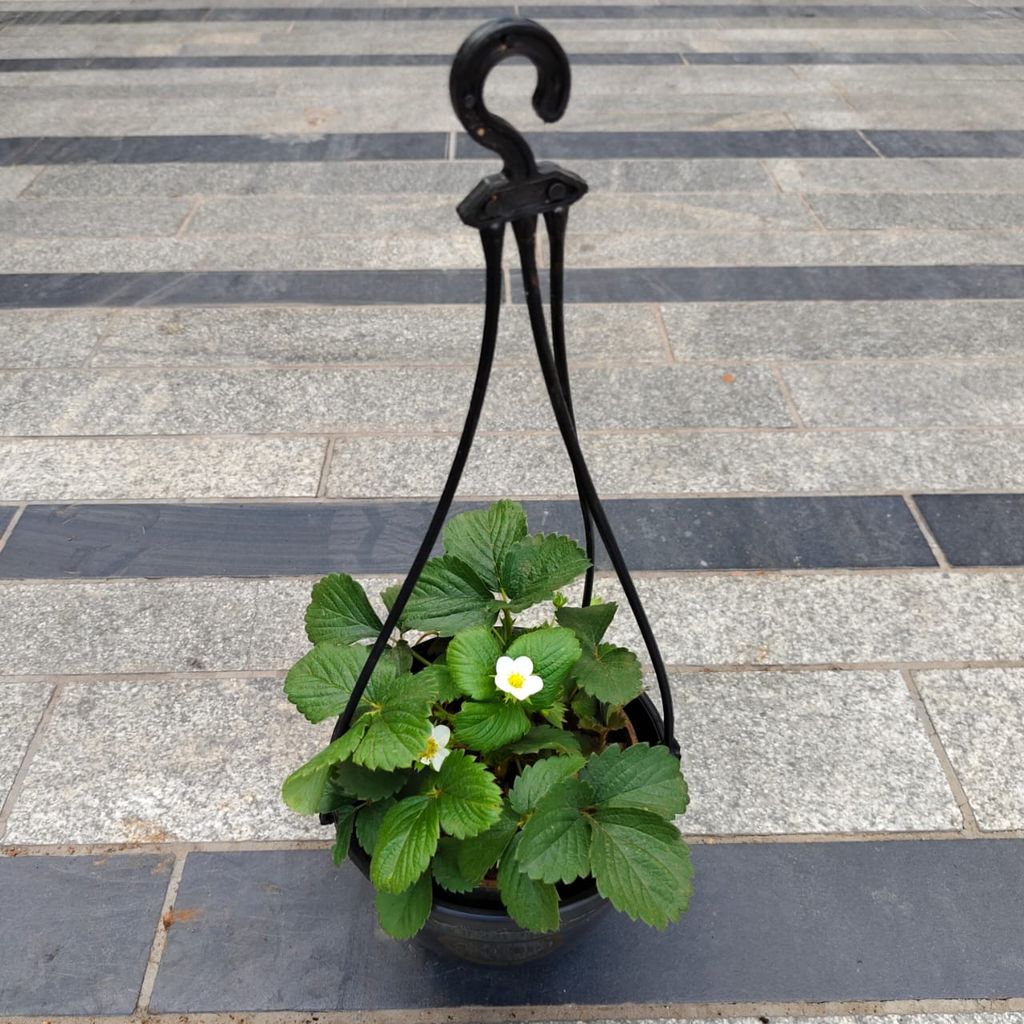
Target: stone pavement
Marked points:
238	320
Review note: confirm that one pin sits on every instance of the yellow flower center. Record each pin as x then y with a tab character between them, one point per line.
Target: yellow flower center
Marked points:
432	748
515	680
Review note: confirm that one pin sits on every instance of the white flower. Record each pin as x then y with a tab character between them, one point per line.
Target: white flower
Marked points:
437	747
515	676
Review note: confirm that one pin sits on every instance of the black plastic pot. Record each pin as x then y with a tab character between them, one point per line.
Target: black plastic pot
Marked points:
475	927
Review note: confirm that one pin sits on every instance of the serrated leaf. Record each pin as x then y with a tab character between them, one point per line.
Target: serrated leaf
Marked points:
587	710
531	904
449	597
398	722
344	821
303	790
556	839
471	659
478	856
467	794
537	780
340	612
403	914
445	867
320	683
440	678
389	595
481	538
368	822
406	842
487	726
366	784
554	715
640	776
540	564
589	624
544	737
641	864
612	674
553	653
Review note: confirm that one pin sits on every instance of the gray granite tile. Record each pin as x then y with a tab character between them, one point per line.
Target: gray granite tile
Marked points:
196	337
84	469
989	211
807	752
34	338
14	180
92	217
977	714
896	175
852	330
21	707
158	761
920	920
77	931
696	463
324	400
915	395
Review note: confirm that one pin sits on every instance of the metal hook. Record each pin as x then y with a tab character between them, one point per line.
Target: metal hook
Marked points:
487	46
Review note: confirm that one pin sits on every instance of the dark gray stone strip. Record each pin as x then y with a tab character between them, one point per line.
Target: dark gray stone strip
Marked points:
964	12
6	515
294	60
990	144
769	922
836	57
198	149
76	932
976	529
395	287
102	541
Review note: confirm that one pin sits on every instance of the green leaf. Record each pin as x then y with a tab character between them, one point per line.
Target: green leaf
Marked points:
544	737
472	656
303	791
481	539
589	624
343	824
487	726
553	653
403	914
531	904
405	843
449	597
479	855
538	779
467	794
445	866
587	710
556	840
640	776
555	715
440	678
368	822
612	674
389	595
365	784
320	683
540	564
398	721
641	864
340	612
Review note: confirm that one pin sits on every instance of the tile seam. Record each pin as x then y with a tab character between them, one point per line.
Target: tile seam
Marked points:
659	319
5	535
325	467
971	826
159	942
190	215
926	531
786	393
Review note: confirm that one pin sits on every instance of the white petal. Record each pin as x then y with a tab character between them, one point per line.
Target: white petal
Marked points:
505	667
438	759
523	665
504	684
441	734
531	685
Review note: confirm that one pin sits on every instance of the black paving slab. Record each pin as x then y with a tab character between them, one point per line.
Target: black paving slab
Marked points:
145	540
75	932
769	922
976	529
982	144
6	515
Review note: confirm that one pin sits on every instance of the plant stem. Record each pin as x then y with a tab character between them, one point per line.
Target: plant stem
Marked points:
507	622
419	657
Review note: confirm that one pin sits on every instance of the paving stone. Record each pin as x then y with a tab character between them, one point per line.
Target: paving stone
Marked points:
807	752
49	903
695	463
159	761
920	920
14	180
324	400
808	619
917	395
939	210
95	217
197	337
851	330
977	529
294	539
90	469
21	707
897	175
941	143
33	338
977	715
